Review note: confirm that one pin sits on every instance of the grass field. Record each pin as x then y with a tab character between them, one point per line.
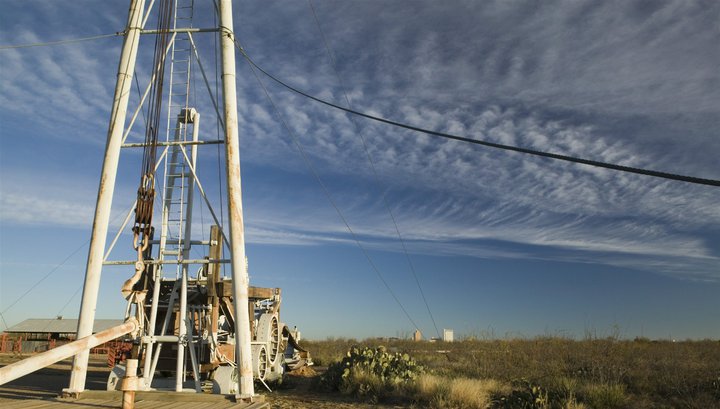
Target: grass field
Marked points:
542	373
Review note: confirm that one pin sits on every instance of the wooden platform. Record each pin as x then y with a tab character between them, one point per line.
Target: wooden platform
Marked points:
41	389
143	400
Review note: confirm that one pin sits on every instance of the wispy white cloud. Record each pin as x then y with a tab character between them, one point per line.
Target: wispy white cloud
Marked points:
615	88
452	226
28	209
37	199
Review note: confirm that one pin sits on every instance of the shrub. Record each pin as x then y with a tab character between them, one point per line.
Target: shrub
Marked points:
372	373
606	396
525	395
654	374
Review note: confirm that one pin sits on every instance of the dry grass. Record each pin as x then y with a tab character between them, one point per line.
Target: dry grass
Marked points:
557	372
442	392
606	396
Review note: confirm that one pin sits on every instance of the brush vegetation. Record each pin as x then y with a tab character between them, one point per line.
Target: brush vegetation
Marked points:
525	373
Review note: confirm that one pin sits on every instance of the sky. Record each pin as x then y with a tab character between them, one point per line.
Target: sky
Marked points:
500	244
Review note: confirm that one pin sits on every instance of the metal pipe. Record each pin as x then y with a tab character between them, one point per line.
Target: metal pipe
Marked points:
193	359
181	30
187	243
193	242
145	94
188	235
147	377
207	83
142	144
120	230
237	235
32	364
183	341
204	196
159	338
163	329
126	67
194	261
182	335
147	14
129	384
157	279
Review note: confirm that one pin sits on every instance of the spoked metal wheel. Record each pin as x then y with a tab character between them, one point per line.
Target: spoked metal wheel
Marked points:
269	332
260	361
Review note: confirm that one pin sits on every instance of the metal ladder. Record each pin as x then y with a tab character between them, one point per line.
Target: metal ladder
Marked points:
175	198
177	172
178	186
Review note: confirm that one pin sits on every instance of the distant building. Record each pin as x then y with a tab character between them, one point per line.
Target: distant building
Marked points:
417	336
37	335
447	335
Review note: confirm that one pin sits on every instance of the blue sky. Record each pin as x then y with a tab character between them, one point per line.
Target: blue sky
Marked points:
503	244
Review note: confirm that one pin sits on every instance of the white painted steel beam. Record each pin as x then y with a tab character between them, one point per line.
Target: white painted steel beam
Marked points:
237	235
196	261
193	143
29	365
181	30
183	330
118	113
207	83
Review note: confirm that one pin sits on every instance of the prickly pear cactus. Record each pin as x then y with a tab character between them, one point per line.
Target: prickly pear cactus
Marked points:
366	371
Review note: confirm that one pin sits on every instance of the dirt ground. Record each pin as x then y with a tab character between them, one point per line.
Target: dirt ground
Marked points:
296	392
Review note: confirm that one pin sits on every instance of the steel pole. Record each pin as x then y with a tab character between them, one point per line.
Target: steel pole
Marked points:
129	384
182	334
148	353
32	364
183	341
126	67
237	234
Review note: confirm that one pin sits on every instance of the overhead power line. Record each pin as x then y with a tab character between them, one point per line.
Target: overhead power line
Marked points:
60	42
628	169
43	278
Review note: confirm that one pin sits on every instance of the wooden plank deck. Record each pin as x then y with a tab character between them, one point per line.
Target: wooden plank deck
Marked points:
161	401
40	390
99	403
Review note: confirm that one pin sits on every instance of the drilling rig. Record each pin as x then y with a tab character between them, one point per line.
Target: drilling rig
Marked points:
193	327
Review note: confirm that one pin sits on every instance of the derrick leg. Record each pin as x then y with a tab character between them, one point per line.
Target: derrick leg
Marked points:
237	240
118	113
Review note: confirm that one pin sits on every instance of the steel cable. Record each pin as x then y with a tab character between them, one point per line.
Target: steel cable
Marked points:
146	191
310	166
60	42
621	168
